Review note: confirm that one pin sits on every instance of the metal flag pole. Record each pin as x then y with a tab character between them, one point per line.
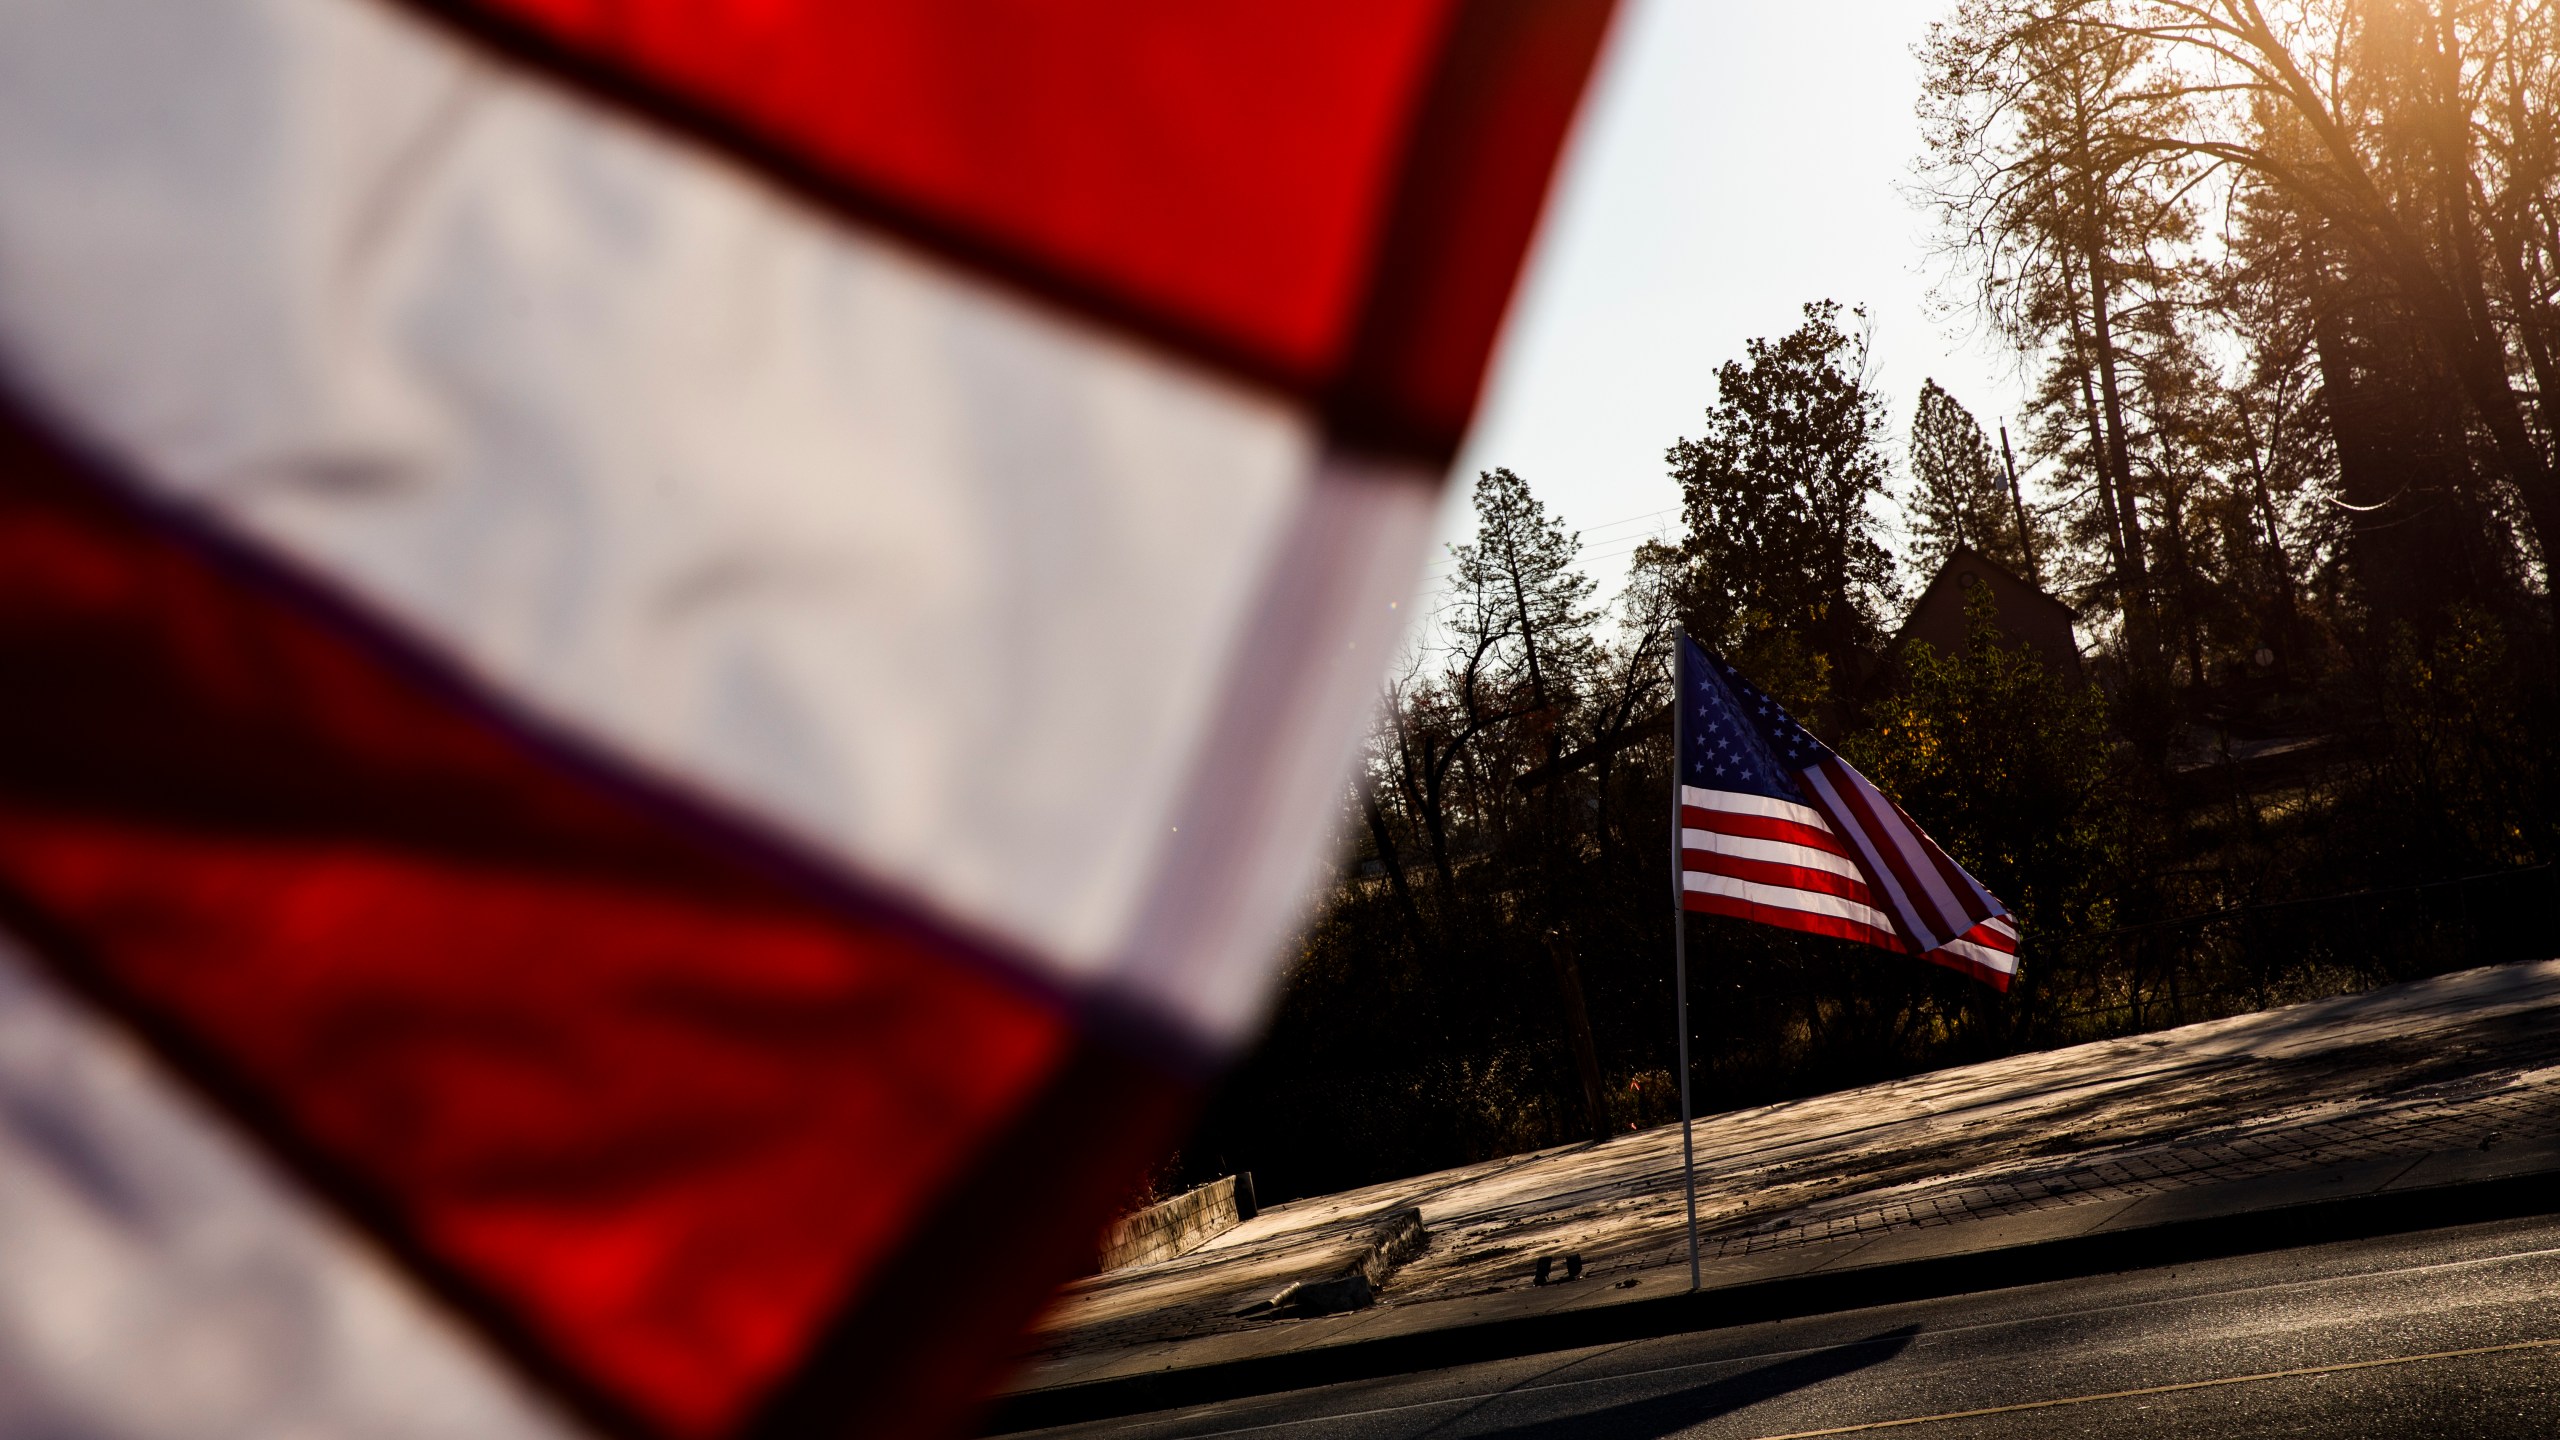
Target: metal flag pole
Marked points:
1680	954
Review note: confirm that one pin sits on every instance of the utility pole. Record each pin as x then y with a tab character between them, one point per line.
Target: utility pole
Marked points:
2018	498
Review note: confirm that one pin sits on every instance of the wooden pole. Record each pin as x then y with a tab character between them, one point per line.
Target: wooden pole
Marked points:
2018	498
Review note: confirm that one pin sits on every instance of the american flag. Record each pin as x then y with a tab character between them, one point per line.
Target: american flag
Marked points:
1775	827
528	529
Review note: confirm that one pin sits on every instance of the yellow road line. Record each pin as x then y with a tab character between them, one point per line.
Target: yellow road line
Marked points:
2162	1390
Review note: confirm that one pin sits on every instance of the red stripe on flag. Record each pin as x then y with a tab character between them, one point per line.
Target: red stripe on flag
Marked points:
1974	901
1948	882
1890	885
668	1133
1923	916
1990	938
1965	965
1770	872
1329	196
1475	179
1810	922
890	1365
1897	843
651	1111
1226	164
1763	827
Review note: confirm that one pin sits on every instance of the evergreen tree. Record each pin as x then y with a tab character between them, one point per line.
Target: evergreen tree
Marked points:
1779	497
1961	494
1519	588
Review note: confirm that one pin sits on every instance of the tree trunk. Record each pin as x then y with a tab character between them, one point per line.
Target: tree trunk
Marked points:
2289	611
2398	422
2182	572
2481	358
2469	344
1436	828
2140	611
2106	487
2531	331
1385	840
1423	795
2479	364
1577	1021
2099	466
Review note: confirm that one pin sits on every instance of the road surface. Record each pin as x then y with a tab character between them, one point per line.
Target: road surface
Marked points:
2452	1333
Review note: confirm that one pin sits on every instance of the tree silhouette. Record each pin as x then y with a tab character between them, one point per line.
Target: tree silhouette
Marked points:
1778	494
1961	493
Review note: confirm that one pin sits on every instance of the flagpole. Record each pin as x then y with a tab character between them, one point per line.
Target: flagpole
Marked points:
1680	958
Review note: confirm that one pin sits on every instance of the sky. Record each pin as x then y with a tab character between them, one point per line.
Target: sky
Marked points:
1732	162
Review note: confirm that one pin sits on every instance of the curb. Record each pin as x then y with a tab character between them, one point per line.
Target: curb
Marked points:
2281	1227
1354	1285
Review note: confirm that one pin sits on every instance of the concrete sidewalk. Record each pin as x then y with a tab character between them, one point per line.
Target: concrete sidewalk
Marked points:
2415	1104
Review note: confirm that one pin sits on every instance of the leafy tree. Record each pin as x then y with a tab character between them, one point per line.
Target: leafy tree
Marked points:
2463	763
1778	494
2016	773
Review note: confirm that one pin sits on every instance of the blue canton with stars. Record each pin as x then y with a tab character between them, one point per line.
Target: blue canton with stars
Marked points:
1733	736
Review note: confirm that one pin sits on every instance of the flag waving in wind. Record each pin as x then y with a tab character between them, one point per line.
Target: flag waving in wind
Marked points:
671	671
1777	828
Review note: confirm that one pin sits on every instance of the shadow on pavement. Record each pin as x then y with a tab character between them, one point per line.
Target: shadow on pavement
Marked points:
1669	1414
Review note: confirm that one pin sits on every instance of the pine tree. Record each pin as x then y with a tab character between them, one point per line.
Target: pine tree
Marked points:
1961	493
1778	492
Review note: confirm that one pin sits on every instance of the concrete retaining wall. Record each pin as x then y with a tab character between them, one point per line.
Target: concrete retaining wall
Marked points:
1179	1225
1352	1281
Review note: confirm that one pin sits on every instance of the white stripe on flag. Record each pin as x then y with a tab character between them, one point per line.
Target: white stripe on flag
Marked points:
1735	803
1272	770
1782	897
1881	881
942	583
1937	914
1778	852
159	1281
2002	961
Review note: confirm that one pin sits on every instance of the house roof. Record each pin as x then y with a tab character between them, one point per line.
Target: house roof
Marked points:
1965	556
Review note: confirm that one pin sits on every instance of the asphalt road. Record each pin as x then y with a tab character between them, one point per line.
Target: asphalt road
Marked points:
2451	1333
